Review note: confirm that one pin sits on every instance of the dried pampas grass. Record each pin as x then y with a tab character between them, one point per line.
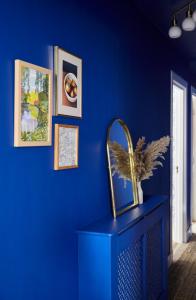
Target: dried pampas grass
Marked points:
120	161
146	159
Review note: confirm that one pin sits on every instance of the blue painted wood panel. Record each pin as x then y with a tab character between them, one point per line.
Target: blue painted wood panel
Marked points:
126	263
95	261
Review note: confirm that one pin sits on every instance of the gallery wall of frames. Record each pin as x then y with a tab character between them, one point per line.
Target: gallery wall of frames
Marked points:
34	103
67	69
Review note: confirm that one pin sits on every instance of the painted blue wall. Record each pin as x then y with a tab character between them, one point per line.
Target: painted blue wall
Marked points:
126	73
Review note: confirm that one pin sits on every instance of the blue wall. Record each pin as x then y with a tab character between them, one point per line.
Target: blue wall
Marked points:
126	73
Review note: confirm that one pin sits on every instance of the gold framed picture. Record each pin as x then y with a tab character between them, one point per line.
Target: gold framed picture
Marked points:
68	83
33	105
66	147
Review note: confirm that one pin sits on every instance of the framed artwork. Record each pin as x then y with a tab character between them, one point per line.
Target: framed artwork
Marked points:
33	105
68	84
66	147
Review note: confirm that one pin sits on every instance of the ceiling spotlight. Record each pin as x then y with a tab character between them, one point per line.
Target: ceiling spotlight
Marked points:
188	24
194	16
174	31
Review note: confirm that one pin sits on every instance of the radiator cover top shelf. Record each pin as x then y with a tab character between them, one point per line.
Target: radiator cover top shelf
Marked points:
111	226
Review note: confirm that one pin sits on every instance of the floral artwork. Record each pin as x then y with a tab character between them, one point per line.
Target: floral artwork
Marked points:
66	147
33	105
34	119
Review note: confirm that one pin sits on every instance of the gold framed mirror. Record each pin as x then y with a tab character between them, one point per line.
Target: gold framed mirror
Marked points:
121	168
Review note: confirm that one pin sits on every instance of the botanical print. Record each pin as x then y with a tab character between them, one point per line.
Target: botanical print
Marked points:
34	105
68	79
67	147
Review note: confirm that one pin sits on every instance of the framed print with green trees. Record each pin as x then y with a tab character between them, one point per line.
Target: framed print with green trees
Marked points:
33	105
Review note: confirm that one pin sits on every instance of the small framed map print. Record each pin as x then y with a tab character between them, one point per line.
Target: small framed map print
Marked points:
66	147
33	105
68	83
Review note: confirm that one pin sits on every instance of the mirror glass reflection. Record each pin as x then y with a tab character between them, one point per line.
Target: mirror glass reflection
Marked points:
122	188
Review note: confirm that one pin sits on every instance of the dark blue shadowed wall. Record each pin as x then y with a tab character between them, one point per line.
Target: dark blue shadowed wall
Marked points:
126	74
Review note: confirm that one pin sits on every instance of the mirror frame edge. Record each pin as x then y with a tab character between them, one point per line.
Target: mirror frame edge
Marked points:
132	166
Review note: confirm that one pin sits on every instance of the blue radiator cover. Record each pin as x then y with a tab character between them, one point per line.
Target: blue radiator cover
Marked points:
126	258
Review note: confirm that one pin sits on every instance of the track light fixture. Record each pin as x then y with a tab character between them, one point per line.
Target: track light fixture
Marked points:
188	24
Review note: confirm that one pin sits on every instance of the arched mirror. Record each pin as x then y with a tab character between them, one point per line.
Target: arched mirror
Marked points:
121	168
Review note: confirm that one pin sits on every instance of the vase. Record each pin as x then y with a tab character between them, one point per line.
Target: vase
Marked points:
140	192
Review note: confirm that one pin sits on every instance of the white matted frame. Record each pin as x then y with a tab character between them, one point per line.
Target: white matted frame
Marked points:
67	64
66	147
18	142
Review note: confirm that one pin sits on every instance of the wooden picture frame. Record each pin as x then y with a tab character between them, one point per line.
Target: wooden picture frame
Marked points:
33	105
68	83
66	146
